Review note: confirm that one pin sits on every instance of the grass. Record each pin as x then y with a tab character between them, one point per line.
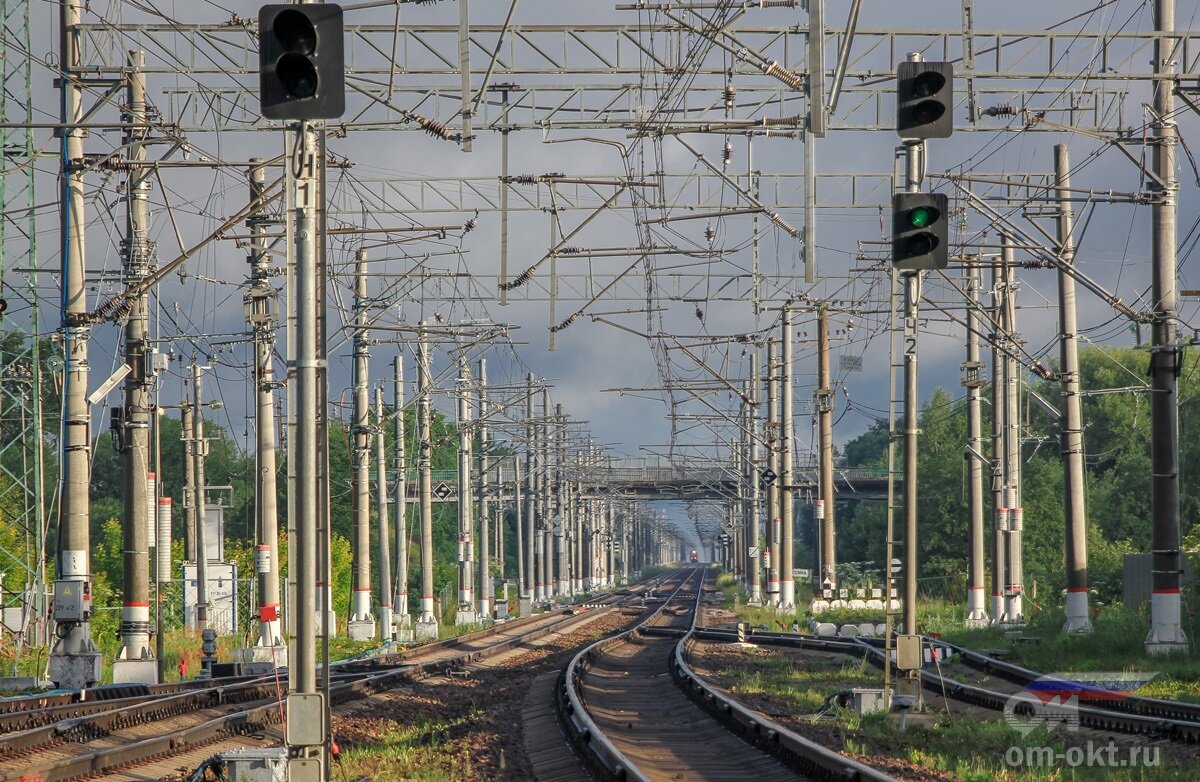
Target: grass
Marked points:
416	752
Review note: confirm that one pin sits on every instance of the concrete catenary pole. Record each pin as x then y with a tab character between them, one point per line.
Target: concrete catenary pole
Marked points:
563	582
199	451
138	252
74	660
400	483
1014	585
1071	417
361	626
529	582
773	495
261	312
972	379
523	561
427	622
547	512
186	428
384	526
1000	510
787	584
753	463
485	502
824	405
466	555
1166	633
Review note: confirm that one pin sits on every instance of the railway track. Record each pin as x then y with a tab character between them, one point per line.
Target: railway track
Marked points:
1154	718
627	706
160	725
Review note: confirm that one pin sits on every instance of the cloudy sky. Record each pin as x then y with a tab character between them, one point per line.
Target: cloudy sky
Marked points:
606	348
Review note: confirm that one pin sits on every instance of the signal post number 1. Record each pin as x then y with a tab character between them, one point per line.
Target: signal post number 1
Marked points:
306	175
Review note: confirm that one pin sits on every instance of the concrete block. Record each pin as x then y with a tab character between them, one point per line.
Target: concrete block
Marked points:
361	630
826	629
75	671
848	631
18	683
135	672
425	631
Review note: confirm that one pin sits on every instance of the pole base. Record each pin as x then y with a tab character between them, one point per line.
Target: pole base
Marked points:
466	616
976	620
1078	621
425	631
1166	635
361	629
75	671
135	671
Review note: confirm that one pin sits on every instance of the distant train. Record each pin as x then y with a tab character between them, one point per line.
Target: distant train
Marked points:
695	556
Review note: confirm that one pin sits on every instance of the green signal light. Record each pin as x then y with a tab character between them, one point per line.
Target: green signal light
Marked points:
921	216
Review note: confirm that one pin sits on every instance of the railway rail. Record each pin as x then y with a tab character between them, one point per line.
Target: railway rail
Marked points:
103	737
624	702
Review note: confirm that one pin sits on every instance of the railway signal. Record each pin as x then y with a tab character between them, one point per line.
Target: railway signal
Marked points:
301	62
925	100
920	239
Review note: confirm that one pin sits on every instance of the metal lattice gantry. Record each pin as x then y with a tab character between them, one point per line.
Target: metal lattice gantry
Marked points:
22	468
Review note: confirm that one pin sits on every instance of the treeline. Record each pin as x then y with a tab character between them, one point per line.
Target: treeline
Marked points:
1116	411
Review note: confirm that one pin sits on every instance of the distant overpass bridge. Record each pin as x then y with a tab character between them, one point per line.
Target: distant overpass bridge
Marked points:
671	483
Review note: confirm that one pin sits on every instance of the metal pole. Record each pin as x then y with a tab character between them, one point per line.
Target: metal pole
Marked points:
262	321
787	489
1014	588
400	471
824	400
914	154
773	487
466	608
972	380
485	503
136	519
302	653
386	629
74	661
1166	633
1071	419
427	623
199	451
361	626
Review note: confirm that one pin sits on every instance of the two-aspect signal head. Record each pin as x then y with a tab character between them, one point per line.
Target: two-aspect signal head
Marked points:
920	238
301	61
925	99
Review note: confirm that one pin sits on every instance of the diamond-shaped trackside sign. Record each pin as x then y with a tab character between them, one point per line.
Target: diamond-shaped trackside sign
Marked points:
768	476
442	491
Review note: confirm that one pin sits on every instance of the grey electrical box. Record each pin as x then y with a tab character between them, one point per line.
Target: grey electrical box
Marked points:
908	652
72	601
305	719
305	770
